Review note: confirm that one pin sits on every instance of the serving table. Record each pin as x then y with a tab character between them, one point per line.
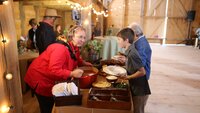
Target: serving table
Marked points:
25	60
86	108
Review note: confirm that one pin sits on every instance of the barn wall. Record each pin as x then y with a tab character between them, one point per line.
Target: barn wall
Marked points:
154	18
151	14
177	24
116	14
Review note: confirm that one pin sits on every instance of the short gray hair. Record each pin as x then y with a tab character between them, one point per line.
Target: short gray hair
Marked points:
136	28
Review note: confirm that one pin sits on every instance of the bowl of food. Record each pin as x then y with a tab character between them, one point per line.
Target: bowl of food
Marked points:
89	76
111	78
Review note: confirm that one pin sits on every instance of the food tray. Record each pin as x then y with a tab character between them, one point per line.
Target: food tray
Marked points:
109	98
69	100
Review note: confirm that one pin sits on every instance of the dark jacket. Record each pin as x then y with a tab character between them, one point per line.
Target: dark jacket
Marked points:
31	34
45	36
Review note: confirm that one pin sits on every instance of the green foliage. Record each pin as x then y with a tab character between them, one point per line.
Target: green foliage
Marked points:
94	45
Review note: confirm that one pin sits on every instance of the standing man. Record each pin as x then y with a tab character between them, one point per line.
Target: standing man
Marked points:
143	48
31	44
45	34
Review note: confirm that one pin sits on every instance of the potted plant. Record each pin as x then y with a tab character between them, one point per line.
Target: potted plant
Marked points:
93	47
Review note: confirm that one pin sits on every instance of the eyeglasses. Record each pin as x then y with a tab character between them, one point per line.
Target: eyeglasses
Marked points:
80	36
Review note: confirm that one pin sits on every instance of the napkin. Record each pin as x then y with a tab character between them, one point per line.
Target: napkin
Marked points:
65	89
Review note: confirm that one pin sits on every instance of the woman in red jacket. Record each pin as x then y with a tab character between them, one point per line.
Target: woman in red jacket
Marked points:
58	62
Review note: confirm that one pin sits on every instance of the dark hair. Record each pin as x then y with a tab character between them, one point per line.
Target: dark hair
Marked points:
57	25
126	33
32	21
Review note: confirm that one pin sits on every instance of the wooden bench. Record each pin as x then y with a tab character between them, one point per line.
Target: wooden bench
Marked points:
161	40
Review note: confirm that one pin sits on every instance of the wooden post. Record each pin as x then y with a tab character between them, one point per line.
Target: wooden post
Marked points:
126	8
142	14
37	13
22	17
11	93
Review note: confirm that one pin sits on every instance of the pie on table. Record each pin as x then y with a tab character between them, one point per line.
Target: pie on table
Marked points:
101	84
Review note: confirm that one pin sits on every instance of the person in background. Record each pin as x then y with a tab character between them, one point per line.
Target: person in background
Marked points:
45	34
143	48
110	30
97	30
58	30
22	44
57	63
31	43
135	70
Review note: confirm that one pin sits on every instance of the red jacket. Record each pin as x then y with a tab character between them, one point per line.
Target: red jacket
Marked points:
54	64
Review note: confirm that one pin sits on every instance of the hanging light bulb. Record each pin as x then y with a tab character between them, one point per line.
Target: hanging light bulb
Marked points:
9	76
86	22
5	109
59	1
3	2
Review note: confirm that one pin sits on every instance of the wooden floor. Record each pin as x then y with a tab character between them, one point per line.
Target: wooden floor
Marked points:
174	82
30	103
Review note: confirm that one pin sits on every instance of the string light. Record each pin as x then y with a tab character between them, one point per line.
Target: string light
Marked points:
5	2
9	76
86	22
120	7
59	1
6	108
79	7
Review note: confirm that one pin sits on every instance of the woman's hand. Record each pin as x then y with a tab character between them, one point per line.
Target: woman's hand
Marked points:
77	73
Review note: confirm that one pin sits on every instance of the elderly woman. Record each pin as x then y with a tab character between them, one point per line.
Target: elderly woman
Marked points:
58	62
143	48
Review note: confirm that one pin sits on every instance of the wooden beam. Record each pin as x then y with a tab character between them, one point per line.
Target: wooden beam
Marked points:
22	17
142	14
126	8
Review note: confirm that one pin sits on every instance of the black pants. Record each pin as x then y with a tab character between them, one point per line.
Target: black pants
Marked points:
45	103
